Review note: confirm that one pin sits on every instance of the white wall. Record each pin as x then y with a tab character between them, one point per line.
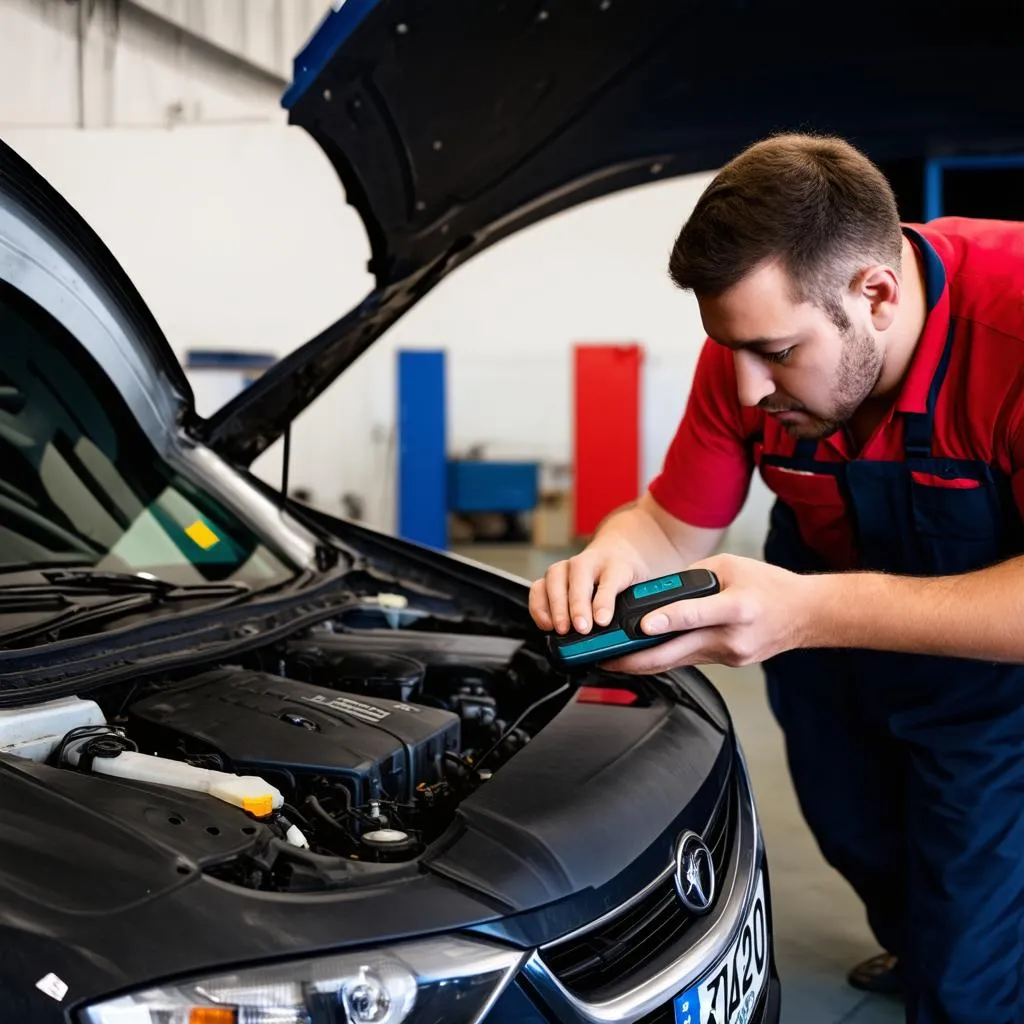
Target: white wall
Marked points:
266	32
240	237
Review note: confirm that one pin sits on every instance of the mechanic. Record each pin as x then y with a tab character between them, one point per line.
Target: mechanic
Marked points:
872	372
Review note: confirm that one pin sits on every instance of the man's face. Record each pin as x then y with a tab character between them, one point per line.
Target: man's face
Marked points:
791	359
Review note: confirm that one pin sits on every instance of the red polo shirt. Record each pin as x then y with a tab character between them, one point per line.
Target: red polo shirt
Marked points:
979	414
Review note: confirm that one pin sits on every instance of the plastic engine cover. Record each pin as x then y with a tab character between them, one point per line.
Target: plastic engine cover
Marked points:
284	730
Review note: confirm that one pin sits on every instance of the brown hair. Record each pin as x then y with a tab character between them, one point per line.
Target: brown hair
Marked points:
815	203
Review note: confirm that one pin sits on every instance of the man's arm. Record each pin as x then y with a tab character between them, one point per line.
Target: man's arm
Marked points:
977	615
763	610
688	543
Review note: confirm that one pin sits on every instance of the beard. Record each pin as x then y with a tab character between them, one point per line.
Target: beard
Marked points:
860	366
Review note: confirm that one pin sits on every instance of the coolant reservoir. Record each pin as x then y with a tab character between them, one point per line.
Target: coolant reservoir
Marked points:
249	792
34	732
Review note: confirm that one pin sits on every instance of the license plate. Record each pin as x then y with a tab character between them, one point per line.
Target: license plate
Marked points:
729	993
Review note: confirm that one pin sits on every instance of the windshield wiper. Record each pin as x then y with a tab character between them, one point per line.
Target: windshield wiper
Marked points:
101	581
128	594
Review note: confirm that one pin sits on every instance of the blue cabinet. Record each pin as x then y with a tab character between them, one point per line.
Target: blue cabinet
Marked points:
484	486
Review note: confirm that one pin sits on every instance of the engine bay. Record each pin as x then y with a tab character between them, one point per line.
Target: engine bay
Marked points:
341	745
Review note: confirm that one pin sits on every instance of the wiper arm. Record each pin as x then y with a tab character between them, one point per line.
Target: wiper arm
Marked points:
68	613
107	582
87	580
31	597
128	593
64	585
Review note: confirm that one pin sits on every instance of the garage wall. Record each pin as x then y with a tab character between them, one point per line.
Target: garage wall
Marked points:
118	63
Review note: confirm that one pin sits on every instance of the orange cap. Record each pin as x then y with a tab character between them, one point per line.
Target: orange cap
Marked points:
260	806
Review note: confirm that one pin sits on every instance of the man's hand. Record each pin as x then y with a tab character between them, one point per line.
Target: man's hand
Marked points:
566	595
633	545
760	611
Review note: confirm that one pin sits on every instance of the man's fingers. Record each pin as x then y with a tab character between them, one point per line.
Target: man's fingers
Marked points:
578	592
540	610
721	609
556	584
582	577
612	582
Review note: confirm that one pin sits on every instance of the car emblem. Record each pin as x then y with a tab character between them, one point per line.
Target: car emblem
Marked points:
695	873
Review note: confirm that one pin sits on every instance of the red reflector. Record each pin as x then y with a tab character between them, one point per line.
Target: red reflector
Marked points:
605	695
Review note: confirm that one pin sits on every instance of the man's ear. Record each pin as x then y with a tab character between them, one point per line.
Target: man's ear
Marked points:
880	286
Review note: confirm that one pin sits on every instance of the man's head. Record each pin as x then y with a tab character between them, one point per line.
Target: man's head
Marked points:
794	255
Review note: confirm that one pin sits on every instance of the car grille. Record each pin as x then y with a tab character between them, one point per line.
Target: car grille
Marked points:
619	947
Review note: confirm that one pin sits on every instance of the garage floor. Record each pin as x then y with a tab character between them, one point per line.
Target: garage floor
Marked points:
819	924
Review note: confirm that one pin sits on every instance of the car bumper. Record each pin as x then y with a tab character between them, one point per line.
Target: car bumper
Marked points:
647	998
518	1006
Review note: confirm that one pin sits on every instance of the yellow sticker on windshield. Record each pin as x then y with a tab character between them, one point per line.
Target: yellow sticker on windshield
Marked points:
202	535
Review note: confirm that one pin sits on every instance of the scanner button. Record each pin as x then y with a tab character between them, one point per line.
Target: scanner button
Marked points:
658	586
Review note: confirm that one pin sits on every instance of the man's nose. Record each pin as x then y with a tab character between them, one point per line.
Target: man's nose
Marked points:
753	378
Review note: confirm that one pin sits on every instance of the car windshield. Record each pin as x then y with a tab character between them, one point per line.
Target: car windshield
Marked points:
80	483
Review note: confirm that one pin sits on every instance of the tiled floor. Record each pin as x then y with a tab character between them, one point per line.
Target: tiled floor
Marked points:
819	925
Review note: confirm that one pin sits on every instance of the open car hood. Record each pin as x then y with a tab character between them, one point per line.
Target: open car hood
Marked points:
454	124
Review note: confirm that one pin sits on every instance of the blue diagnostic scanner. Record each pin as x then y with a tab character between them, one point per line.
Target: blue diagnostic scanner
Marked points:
623	634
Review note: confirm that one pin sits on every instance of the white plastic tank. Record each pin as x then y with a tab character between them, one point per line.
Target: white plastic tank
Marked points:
249	792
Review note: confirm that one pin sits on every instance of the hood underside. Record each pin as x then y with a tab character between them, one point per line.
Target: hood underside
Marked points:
453	125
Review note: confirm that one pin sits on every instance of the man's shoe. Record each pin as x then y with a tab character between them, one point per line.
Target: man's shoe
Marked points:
881	974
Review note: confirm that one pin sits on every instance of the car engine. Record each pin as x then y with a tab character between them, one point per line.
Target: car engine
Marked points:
333	755
341	745
245	721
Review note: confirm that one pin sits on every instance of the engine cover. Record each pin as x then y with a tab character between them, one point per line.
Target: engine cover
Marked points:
285	730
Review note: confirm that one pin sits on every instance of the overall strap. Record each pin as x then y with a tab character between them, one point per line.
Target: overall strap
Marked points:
918	426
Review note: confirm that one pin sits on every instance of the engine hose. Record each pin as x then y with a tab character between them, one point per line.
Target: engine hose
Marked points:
519	721
318	809
295	813
450	755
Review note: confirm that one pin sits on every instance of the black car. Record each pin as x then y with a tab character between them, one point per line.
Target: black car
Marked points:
262	765
257	765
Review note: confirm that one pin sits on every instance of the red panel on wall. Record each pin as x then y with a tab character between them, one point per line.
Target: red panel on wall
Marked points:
606	427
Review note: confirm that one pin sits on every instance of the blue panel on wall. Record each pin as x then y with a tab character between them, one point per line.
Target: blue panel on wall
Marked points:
934	168
422	445
492	486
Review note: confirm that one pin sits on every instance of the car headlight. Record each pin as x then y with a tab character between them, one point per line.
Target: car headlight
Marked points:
448	979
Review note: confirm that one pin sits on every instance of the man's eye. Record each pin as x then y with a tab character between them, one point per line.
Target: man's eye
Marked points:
779	357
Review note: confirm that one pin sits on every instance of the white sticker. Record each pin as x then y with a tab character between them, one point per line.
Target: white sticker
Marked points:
53	987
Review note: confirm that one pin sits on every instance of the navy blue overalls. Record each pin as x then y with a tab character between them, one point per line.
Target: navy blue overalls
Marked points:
910	769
